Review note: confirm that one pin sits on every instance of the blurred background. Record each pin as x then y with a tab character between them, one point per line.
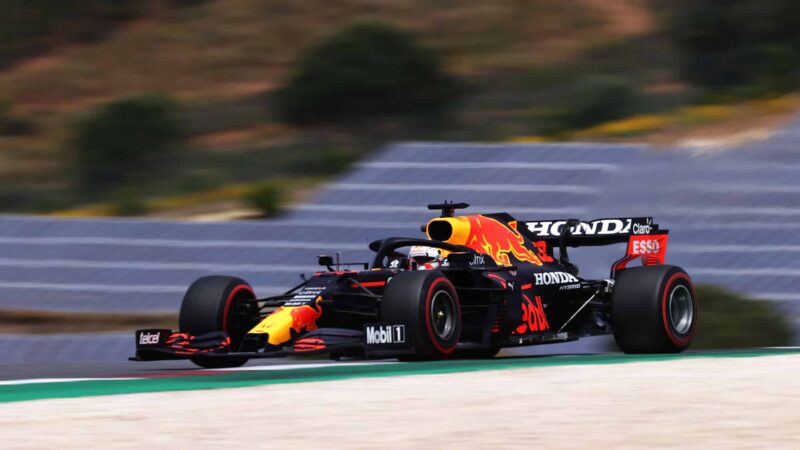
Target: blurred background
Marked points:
145	143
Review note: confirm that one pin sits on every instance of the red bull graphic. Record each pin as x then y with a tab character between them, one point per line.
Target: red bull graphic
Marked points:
490	236
279	325
305	317
533	317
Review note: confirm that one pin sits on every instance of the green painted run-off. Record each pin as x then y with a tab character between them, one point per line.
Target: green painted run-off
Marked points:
64	389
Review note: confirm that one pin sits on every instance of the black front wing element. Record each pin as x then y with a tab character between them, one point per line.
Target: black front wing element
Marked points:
154	345
377	340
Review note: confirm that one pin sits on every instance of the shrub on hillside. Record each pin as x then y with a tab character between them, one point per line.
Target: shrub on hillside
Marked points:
597	99
29	27
363	71
11	125
326	161
601	98
727	44
267	197
728	320
22	19
128	203
126	140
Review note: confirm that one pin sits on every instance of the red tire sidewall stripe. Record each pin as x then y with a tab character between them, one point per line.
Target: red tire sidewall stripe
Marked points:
429	323
229	301
668	286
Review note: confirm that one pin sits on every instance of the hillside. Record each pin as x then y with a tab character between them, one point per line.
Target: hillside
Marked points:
239	47
221	58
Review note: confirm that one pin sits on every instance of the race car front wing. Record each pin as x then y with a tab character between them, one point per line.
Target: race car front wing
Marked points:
375	340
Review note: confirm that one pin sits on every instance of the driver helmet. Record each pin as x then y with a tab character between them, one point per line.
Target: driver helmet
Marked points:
424	257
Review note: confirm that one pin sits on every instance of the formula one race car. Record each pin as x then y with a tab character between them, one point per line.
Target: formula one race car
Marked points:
477	284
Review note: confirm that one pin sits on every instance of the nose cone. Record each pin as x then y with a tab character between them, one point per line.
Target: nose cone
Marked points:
279	325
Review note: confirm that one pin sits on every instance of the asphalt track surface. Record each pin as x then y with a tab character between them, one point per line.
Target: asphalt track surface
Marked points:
179	376
124	368
10	372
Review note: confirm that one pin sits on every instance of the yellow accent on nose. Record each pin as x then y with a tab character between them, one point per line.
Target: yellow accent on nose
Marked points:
277	326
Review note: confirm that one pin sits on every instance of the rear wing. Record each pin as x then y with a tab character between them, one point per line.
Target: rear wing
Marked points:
643	236
596	232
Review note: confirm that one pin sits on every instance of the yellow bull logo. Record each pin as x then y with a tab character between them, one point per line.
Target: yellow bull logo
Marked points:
489	236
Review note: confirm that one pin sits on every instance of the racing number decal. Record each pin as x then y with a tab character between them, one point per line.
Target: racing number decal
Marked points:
533	317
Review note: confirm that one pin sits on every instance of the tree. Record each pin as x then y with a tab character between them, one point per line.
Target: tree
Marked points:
600	98
597	99
727	43
365	70
125	140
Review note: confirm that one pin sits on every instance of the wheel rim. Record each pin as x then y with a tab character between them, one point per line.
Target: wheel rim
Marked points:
443	315
681	309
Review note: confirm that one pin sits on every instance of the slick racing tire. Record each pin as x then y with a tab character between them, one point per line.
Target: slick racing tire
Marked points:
653	310
426	303
215	303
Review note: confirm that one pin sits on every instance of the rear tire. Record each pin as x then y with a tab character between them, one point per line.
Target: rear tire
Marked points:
215	303
653	310
427	304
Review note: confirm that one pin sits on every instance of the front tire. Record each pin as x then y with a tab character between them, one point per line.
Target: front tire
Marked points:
426	302
653	310
217	303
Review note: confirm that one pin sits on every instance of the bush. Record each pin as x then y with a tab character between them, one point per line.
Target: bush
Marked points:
727	320
31	26
267	197
126	140
734	43
597	99
128	203
601	98
362	71
778	68
325	161
11	125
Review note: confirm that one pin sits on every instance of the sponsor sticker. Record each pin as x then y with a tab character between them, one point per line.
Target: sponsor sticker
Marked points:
151	337
305	296
569	287
647	245
385	334
599	227
653	247
533	316
382	337
642	228
548	278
